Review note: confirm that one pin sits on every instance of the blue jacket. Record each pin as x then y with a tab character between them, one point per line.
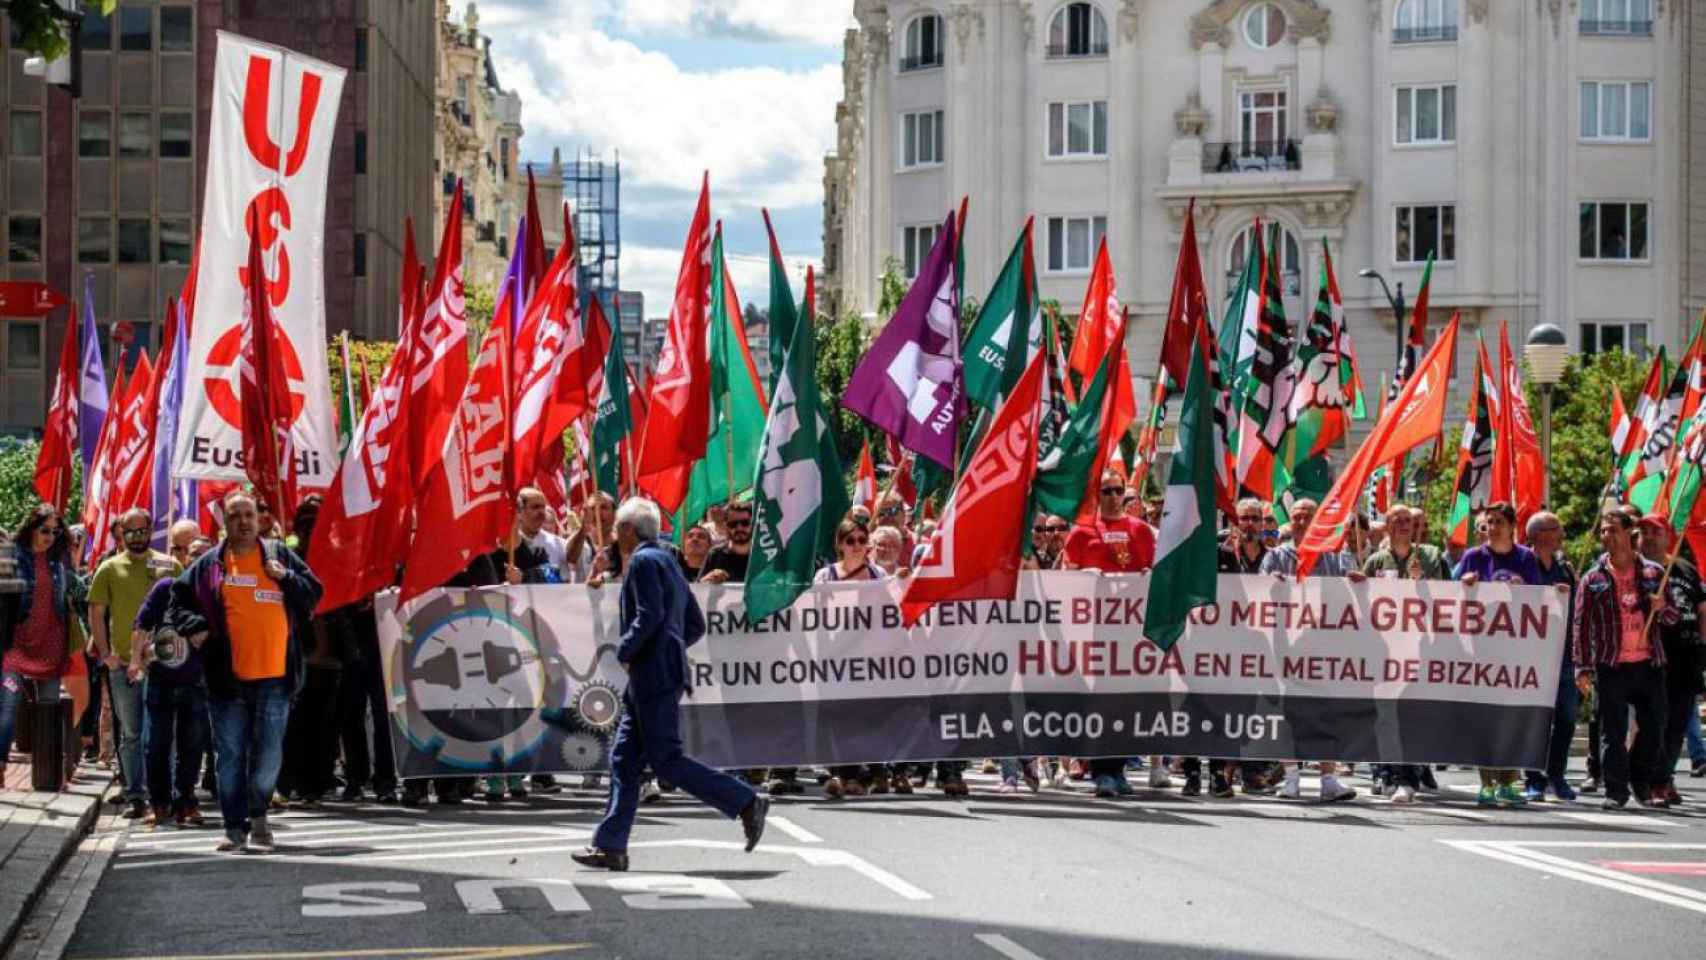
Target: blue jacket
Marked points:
660	619
197	605
15	608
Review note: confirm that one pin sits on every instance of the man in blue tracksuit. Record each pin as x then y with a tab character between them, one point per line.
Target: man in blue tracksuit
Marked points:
660	619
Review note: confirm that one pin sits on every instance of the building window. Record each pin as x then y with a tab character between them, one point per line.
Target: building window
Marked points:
135	28
23	345
177	29
1264	26
1629	336
915	244
1290	258
1425	21
1616	111
1077	30
361	151
1078	129
923	43
94	133
135	135
921	139
1072	242
1421	231
96	32
24	137
359	267
135	241
23	240
94	240
360	49
1262	125
177	132
175	240
1613	231
1427	115
1617	18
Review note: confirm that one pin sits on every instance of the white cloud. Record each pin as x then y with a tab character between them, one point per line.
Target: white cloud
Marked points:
798	21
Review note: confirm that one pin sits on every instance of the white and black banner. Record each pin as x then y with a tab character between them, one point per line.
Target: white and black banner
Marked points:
522	679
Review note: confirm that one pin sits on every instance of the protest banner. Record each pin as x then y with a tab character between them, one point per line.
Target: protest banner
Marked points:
524	678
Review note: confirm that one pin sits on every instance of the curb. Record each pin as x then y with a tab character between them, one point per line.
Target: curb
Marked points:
54	831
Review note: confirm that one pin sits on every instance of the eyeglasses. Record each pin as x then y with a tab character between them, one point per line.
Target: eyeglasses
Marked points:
732	523
855	541
1112	491
1057	528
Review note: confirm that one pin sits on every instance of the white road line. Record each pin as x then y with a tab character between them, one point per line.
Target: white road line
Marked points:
431	852
1632	819
194	837
1005	947
410	840
792	829
1573	871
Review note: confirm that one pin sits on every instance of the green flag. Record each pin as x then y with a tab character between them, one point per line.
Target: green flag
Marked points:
1185	575
798	492
613	421
1064	473
346	398
737	403
1238	326
783	313
1008	330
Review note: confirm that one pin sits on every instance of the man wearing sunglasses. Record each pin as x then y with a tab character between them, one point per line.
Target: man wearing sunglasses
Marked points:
1048	540
891	512
727	562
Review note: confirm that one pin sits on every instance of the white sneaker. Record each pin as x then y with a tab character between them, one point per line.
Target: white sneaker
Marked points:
1404	795
1159	778
1332	791
1008	785
649	792
1292	788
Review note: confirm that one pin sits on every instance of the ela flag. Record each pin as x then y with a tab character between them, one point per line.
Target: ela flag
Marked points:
678	418
465	505
1008	330
52	481
614	420
976	551
783	313
798	498
1185	574
909	383
1413	418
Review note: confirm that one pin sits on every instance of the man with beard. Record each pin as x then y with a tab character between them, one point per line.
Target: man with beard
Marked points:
727	562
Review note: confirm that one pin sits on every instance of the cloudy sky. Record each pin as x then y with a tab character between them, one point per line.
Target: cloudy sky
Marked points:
743	88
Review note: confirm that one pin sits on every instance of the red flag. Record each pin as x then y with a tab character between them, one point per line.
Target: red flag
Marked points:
1189	302
865	483
678	424
1623	434
98	487
59	435
136	473
269	457
1414	418
1528	471
534	257
975	552
439	350
363	523
409	282
1099	320
540	349
131	444
367	383
1119	409
465	506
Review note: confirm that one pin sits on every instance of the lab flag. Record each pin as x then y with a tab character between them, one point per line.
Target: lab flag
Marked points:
909	383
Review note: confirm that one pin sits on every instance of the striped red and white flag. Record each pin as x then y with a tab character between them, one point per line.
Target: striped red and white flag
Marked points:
1623	432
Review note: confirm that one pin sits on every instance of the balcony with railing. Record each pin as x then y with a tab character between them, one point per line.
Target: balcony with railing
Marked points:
1076	51
1439	33
1251	156
1617	28
923	61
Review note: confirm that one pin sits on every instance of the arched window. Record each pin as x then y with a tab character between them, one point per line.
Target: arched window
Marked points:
1290	261
923	43
1264	26
1077	30
1425	21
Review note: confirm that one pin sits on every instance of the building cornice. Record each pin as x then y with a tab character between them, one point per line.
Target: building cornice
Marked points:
1304	19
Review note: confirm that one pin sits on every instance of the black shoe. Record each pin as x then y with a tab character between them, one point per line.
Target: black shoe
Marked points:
117	800
1193	786
386	797
751	821
1699	769
414	798
350	794
493	796
137	810
545	783
613	860
1220	787
1612	803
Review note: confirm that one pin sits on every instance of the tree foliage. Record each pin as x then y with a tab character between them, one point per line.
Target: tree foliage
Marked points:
39	28
17	474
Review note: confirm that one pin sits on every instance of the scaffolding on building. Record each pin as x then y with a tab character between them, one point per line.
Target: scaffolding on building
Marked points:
593	188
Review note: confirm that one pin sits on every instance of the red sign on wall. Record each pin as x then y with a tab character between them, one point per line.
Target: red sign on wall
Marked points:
26	298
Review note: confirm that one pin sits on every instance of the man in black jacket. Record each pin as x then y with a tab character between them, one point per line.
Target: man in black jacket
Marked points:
660	619
247	606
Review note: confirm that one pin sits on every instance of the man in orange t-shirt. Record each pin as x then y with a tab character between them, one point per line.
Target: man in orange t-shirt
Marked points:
244	605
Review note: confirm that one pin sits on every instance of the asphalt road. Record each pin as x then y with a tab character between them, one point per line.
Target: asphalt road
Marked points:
1055	875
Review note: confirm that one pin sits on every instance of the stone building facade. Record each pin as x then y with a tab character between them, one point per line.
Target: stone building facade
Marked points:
478	138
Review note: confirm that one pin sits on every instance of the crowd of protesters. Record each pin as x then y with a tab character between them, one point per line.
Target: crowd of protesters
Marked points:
204	667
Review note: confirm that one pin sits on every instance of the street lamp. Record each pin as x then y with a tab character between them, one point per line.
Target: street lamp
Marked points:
1397	302
1547	350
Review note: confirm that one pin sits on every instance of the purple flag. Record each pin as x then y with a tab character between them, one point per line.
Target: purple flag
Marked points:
91	382
172	501
909	383
515	278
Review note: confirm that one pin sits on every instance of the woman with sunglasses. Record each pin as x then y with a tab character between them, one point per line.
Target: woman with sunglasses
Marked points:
39	631
852	562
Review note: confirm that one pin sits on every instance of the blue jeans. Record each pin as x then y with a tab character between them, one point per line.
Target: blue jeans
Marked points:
12	688
127	711
177	718
1696	746
248	746
650	733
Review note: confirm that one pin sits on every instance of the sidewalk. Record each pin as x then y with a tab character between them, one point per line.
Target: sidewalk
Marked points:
37	832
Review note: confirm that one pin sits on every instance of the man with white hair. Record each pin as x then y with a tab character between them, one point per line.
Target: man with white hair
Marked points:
660	619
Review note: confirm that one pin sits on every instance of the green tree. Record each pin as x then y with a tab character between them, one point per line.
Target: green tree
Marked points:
40	29
840	345
17	476
377	353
